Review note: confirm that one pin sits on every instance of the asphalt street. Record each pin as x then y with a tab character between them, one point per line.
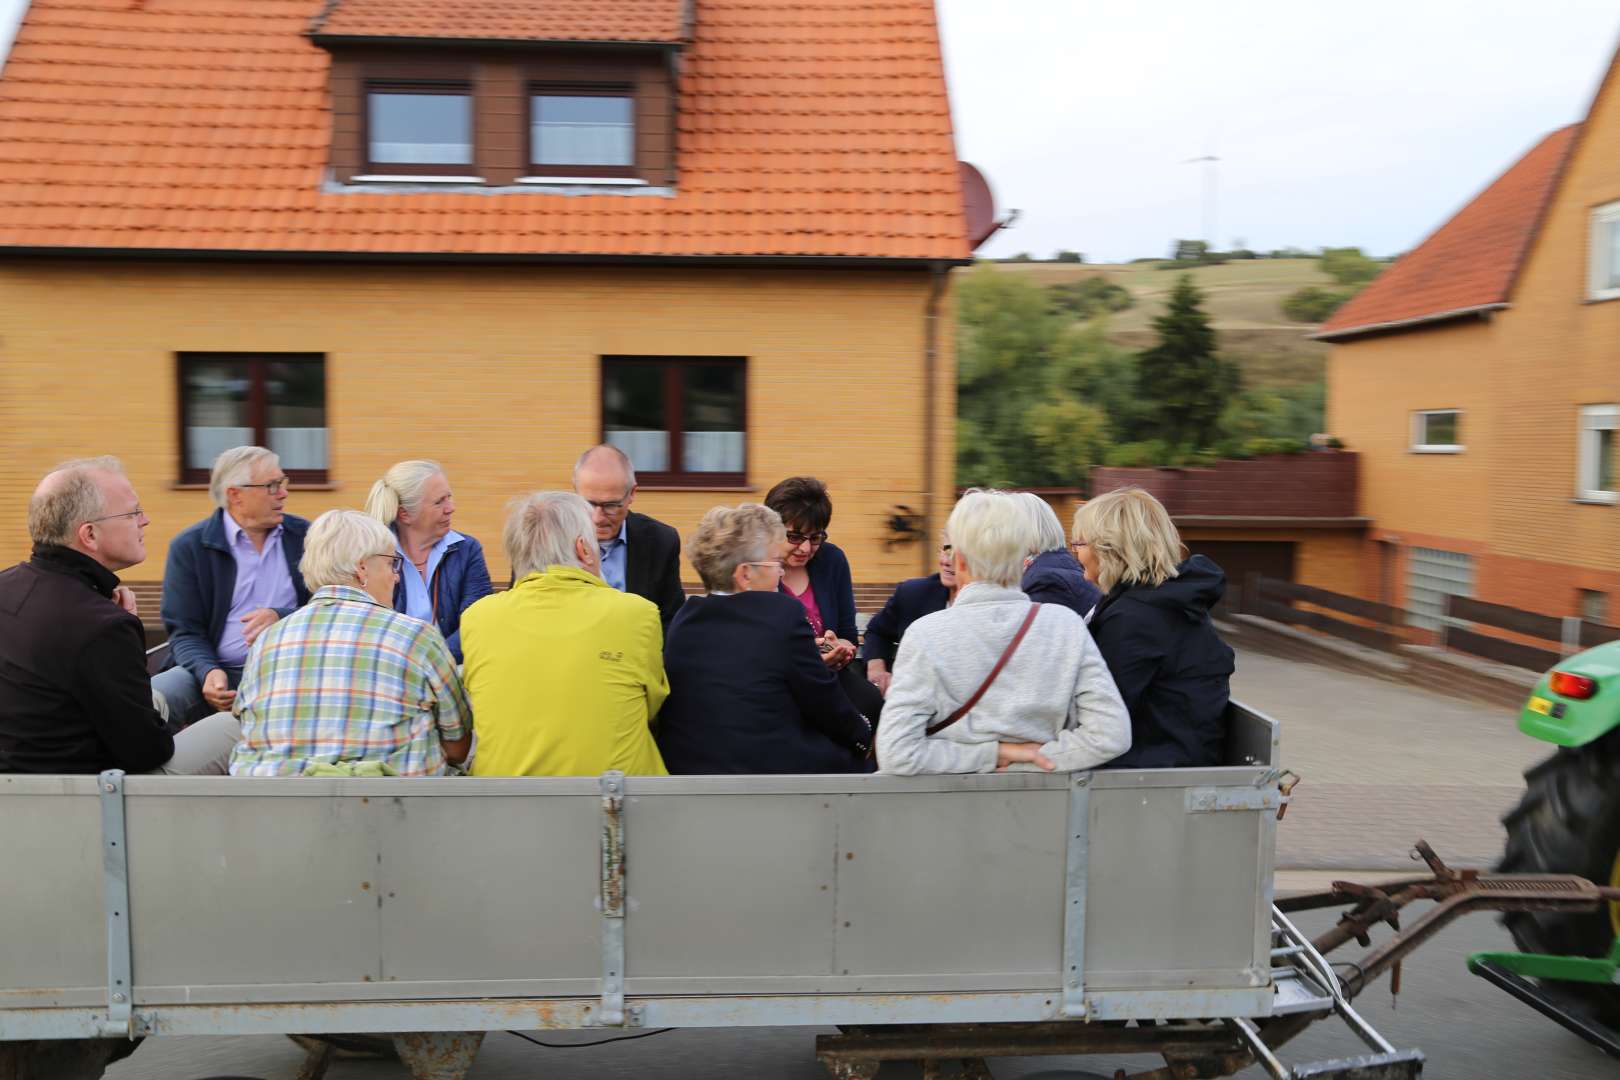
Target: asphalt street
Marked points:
1383	764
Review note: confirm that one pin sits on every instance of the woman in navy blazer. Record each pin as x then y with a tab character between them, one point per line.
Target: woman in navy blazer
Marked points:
911	600
748	689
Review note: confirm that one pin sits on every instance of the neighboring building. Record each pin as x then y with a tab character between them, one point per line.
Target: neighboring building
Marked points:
715	232
1479	379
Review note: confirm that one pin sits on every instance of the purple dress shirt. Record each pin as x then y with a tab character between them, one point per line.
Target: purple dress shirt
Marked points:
262	581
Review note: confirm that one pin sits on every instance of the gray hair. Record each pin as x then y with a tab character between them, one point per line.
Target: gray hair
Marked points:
541	530
337	543
616	454
401	488
1046	531
990	530
233	467
68	497
726	538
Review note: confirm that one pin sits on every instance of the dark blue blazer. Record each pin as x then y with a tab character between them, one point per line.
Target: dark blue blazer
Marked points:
198	580
834	591
911	600
749	693
461	577
1056	577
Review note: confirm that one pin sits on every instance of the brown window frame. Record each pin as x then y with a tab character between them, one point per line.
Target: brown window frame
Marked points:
616	90
442	87
674	366
257	408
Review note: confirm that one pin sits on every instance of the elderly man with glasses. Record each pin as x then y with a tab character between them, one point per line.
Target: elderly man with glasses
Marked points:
638	554
74	693
228	577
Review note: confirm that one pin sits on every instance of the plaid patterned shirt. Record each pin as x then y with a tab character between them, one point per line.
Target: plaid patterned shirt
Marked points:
346	679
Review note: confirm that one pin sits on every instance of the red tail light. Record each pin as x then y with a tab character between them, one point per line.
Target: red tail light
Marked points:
1572	686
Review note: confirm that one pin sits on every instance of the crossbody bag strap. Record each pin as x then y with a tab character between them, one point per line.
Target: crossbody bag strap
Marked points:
1006	655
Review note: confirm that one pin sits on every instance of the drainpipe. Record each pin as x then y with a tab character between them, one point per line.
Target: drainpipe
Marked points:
938	275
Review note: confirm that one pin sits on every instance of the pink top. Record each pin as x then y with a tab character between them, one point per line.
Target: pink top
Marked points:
812	610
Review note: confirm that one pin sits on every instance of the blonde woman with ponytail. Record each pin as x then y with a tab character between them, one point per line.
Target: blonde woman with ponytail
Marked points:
444	570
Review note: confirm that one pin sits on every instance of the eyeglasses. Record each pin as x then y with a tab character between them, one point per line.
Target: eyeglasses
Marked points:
772	564
272	487
395	560
946	549
135	513
1076	545
607	507
816	539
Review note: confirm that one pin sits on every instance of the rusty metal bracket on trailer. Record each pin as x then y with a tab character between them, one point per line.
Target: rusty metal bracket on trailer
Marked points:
613	903
120	1019
1074	896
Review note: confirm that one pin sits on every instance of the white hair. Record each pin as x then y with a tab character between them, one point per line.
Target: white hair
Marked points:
1046	531
233	468
613	452
337	543
542	529
401	488
990	530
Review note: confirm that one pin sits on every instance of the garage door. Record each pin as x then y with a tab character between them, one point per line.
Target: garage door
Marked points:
1431	576
1239	558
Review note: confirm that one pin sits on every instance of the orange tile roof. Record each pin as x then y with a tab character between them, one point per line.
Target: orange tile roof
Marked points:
506	20
1469	264
804	130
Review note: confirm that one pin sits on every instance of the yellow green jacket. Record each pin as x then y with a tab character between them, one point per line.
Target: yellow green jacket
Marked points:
565	674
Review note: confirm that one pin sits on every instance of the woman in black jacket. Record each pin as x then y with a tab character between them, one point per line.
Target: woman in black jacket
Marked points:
1154	629
1051	573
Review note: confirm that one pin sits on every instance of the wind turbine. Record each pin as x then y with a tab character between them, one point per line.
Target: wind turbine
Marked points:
1211	165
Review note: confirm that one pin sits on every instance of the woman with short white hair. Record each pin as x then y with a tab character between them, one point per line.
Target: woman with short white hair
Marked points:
346	684
444	570
1154	629
997	681
1051	573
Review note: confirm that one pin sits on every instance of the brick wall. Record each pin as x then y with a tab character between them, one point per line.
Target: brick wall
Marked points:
1313	485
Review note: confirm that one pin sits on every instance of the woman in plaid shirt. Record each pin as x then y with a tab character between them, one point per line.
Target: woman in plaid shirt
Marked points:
346	682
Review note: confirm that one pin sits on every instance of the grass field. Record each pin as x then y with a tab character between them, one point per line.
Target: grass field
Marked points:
1243	297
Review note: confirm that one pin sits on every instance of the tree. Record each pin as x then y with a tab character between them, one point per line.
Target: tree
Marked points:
1065	256
1313	305
1182	380
1348	266
1089	296
1189	251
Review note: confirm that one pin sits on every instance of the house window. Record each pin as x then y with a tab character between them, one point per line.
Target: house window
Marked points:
1594	480
1594	605
415	128
1603	279
276	400
582	132
1437	431
682	420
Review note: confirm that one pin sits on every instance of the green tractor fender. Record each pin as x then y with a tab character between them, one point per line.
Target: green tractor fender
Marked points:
1577	702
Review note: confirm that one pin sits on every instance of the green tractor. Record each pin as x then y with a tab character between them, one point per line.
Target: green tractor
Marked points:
1569	823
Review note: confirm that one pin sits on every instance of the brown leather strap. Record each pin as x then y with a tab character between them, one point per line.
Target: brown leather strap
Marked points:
1012	647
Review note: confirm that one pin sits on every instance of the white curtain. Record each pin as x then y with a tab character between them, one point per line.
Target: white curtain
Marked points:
648	450
713	451
299	447
207	443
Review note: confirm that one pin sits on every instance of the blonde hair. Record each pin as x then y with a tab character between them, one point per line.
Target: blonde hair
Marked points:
337	543
727	537
541	530
1046	531
1132	536
233	467
990	530
401	489
69	496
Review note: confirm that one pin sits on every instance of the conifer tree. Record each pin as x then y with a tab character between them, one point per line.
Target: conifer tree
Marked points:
1182	382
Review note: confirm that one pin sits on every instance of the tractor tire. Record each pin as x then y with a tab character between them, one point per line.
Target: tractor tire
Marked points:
1569	823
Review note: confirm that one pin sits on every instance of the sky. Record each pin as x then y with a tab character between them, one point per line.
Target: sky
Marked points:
1364	124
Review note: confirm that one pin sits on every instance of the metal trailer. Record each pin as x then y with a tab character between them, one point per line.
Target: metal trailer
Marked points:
965	916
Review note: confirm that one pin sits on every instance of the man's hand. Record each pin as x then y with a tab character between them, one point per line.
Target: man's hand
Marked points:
254	622
124	597
216	690
836	653
1009	753
877	673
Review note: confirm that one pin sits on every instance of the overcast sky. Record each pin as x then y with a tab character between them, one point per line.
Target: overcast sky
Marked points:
1364	123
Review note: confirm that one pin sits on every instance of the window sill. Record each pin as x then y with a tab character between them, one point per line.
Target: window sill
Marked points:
297	485
1437	449
593	181
1602	295
425	178
1597	498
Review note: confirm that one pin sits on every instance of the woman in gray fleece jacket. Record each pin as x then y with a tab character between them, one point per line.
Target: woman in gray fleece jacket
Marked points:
1054	705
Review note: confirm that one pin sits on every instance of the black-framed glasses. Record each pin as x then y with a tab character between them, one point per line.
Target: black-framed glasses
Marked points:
271	487
946	549
816	539
135	513
612	507
395	560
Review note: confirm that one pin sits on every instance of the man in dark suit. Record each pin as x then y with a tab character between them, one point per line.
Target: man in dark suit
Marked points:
640	555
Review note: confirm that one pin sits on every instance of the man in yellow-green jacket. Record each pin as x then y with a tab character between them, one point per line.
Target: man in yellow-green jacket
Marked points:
565	673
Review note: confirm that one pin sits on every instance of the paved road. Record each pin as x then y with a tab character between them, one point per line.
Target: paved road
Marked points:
1383	764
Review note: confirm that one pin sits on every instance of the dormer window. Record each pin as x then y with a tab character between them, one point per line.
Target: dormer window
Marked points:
419	129
585	132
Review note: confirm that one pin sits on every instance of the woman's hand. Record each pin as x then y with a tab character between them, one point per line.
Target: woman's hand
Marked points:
1011	753
877	673
836	653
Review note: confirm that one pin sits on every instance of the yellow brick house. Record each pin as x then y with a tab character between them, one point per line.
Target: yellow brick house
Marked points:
715	232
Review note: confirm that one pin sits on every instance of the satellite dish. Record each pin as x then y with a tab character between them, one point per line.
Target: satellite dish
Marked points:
978	203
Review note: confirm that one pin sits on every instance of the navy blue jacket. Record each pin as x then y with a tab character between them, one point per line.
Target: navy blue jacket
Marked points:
834	591
1056	577
911	600
198	580
749	693
1170	665
461	577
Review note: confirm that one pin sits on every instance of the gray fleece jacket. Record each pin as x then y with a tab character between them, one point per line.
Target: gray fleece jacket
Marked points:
1056	689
